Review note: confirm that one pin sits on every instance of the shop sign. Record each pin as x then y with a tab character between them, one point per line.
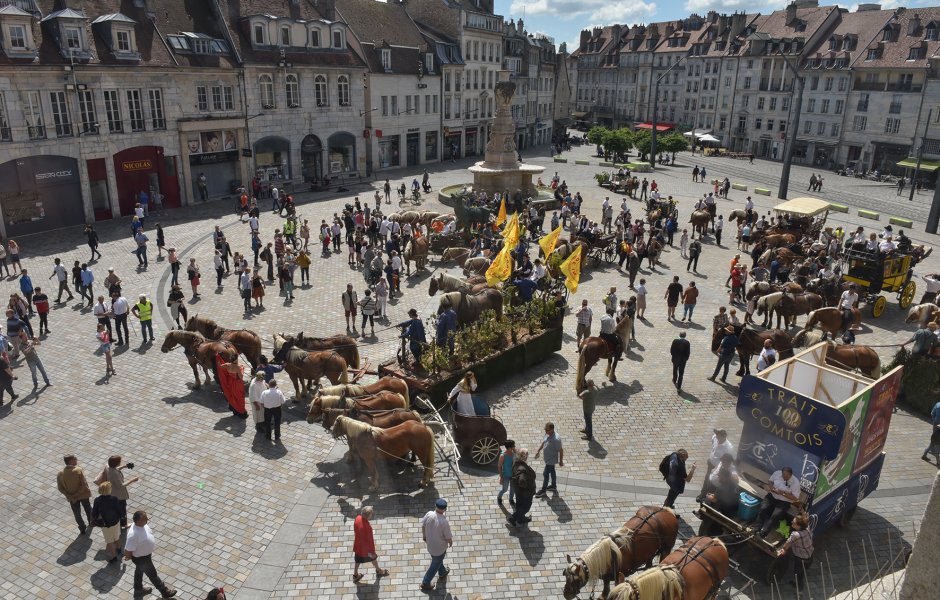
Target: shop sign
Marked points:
52	175
414	129
136	165
211	158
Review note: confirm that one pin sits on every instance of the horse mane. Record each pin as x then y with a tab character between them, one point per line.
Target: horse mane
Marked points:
453	297
660	582
351	428
211	325
328	402
598	558
179	335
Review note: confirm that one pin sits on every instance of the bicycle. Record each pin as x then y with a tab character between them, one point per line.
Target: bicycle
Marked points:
414	200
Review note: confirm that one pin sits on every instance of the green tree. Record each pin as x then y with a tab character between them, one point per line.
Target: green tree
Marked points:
674	142
618	142
596	135
642	140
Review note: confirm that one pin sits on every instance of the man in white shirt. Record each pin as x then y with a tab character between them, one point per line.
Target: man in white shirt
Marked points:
139	547
62	276
119	308
383	229
720	446
436	533
102	312
244	286
847	303
538	271
257	387
272	399
749	204
254	223
783	489
933	288
887	244
275	199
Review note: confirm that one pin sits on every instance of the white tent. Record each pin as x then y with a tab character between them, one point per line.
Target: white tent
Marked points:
698	133
708	138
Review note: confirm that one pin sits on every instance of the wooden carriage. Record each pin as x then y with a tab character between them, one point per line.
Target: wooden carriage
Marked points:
874	273
802	216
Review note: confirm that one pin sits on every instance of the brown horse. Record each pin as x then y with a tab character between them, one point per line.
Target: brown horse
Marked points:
829	319
200	352
756	289
777	240
700	219
791	305
751	342
443	282
476	266
383	400
308	367
737	215
650	533
848	357
923	313
376	418
373	444
344	345
353	390
593	349
416	250
458	255
469	308
694	571
246	341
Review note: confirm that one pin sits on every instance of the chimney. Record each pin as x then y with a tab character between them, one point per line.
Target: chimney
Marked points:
738	22
722	25
866	7
520	27
791	13
327	8
913	26
669	29
585	36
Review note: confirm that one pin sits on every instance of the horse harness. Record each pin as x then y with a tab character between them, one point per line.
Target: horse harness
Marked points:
706	563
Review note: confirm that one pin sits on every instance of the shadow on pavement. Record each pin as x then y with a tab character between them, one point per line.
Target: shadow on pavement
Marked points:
76	551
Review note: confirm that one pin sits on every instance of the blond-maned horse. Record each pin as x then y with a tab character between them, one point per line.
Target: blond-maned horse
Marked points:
923	313
373	444
354	390
383	400
694	571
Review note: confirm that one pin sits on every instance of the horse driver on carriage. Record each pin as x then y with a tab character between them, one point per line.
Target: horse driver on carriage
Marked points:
846	303
413	331
609	332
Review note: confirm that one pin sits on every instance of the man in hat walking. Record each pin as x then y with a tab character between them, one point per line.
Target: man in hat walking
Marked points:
435	531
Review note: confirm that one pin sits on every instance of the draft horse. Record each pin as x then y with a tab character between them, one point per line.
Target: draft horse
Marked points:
246	341
379	401
830	320
354	390
848	357
751	342
305	367
377	418
344	345
200	352
693	572
594	349
650	533
374	443
448	283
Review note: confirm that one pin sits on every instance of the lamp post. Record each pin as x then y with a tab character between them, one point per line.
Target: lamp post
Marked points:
794	127
920	155
656	107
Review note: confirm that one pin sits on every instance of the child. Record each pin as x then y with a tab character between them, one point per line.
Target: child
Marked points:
684	243
105	347
641	300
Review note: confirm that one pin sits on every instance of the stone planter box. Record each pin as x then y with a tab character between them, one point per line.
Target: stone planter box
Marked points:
838	208
640	167
561	160
900	221
582	162
762	191
739	186
607	165
868	214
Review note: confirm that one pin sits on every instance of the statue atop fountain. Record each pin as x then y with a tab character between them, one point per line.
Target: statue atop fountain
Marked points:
501	169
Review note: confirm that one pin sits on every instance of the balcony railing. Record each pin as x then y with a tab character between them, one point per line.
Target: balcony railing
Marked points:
895	108
869	86
903	87
862	107
37	132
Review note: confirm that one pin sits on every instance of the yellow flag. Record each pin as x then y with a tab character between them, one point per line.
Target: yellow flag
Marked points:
548	242
501	217
511	231
501	267
572	270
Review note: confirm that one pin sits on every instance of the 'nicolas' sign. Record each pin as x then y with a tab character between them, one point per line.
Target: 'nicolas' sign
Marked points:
136	165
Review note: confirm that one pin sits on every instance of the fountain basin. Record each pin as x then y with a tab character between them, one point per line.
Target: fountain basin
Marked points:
542	197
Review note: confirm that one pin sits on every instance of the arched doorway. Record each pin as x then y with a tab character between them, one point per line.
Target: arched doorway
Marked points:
342	148
311	159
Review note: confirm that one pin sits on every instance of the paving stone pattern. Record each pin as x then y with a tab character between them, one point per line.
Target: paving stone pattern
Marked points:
275	521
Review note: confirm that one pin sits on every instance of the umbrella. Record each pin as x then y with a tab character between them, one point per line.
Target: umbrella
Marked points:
708	138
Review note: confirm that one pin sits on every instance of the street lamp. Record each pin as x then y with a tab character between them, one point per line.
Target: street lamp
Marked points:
656	106
794	127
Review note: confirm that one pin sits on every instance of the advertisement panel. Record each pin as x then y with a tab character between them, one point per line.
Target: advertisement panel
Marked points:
769	454
883	394
834	472
827	511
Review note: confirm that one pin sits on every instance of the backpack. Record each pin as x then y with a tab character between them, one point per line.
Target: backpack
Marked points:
664	465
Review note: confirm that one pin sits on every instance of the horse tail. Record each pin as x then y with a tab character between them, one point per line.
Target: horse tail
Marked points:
579	377
875	371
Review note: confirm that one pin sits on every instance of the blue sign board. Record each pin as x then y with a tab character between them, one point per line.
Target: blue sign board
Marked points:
812	426
829	510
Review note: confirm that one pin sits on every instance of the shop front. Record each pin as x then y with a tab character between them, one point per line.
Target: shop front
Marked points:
40	193
311	159
430	146
342	153
413	147
452	139
389	151
145	168
272	159
471	134
887	156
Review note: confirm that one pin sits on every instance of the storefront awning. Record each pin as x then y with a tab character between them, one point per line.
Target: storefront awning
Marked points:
659	126
579	115
928	166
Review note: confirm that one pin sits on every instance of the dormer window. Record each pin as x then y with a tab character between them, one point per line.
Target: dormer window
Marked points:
337	39
258	33
873	54
386	59
429	62
73	38
916	54
285	35
315	38
931	32
123	39
17	37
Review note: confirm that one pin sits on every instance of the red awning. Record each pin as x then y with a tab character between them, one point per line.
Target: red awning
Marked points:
659	126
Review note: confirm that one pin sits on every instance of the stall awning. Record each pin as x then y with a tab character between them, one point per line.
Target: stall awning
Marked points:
808	207
579	115
659	126
928	166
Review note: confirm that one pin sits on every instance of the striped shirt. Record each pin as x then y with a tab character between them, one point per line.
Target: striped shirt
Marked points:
584	316
801	543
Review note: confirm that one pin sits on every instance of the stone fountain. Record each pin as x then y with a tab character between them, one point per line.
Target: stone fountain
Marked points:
501	169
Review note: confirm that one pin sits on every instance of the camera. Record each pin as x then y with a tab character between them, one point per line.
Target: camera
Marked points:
130	465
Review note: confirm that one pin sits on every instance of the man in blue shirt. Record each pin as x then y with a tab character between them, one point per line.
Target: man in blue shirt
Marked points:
88	278
726	350
525	287
268	368
26	286
934	446
413	330
447	327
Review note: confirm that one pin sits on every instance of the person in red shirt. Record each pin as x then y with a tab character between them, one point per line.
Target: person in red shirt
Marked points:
364	544
41	302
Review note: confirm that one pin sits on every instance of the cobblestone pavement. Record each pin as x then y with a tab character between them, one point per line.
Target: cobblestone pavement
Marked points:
275	520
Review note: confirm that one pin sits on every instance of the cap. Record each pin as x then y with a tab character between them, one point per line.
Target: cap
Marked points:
441	503
729	329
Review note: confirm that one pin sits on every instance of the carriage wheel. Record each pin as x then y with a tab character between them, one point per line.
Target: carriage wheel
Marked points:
610	254
484	450
907	294
879	306
418	402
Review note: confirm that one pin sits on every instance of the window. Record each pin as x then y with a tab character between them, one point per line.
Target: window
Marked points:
337	39
859	123
747	83
394	105
807	126
786	104
873	54
760	103
123	41
892	125
386	59
342	90
315	38
770	124
267	91
742	124
916	54
384	106
824	106
839	106
821	128
259	34
434	104
447	81
811	105
17	37
427	104
157	118
834	132
73	38
745	100
428	62
5	133
86	110
783	125
320	91
408	108
773	103
135	109
758	123
895	107
32	110
814	83
223	97
293	91
862	103
112	107
285	35
60	114
446	107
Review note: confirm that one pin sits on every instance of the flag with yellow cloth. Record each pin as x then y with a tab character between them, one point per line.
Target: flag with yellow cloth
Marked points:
548	242
572	270
501	267
501	217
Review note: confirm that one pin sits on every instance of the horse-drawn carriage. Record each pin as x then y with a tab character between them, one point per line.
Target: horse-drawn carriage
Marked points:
827	425
600	248
875	272
801	217
438	242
